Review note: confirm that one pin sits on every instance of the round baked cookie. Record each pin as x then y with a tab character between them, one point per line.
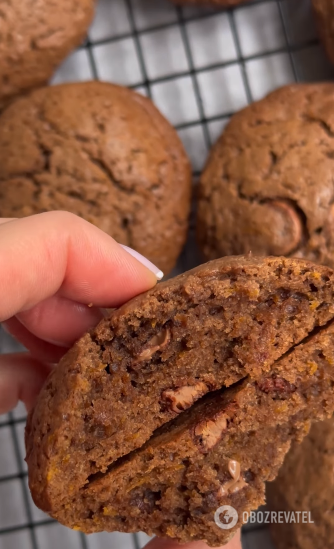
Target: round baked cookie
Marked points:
324	15
268	186
104	153
36	35
305	483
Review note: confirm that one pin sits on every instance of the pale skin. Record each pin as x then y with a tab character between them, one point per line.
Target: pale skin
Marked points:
57	273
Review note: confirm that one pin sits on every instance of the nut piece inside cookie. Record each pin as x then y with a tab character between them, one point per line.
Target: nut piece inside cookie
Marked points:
158	342
236	483
276	384
294	225
182	398
208	433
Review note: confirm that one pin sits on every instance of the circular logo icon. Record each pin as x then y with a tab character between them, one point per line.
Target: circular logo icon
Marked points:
229	517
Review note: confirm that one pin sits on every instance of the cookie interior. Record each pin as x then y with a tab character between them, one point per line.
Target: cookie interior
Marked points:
228	320
219	452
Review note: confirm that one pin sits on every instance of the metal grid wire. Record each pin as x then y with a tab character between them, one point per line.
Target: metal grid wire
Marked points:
199	66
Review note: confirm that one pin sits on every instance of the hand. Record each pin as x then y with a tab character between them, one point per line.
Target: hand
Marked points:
56	273
53	266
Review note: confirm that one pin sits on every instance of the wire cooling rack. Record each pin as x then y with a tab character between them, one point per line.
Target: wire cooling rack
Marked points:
199	66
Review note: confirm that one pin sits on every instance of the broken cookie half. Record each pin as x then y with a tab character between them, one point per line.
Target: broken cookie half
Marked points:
185	399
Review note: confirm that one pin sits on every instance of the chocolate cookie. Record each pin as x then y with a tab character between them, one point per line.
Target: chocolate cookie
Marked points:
305	483
324	15
117	441
104	153
35	37
268	184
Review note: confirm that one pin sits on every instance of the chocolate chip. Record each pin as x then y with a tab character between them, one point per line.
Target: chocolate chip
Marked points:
157	343
146	501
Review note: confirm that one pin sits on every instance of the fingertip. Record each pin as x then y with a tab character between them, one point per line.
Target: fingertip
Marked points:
117	272
60	321
144	261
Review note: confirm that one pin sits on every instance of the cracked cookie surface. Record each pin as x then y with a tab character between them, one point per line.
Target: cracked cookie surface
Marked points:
36	35
261	329
102	152
267	187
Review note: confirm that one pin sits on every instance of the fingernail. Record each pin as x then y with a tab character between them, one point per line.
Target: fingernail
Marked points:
159	274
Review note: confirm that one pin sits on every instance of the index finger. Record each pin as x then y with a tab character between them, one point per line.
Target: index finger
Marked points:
58	252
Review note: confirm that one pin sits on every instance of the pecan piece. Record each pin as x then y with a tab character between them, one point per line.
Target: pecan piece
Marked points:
158	342
209	432
182	398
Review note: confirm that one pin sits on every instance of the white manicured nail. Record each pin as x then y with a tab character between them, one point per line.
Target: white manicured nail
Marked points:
159	274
